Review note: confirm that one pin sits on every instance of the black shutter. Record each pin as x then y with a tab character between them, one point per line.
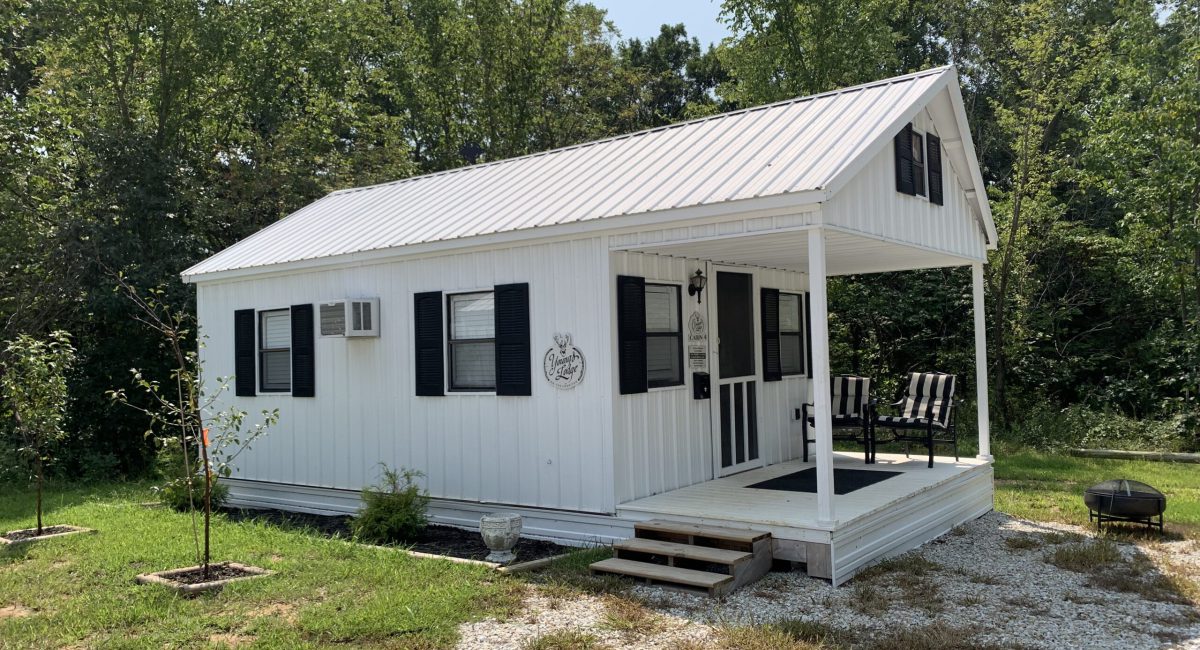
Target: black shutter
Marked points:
904	162
304	381
243	352
631	333
808	336
772	365
427	329
933	162
513	365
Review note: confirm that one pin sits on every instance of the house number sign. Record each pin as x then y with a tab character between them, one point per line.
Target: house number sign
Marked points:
563	363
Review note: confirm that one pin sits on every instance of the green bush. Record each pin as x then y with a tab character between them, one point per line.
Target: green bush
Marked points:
393	510
1081	427
174	494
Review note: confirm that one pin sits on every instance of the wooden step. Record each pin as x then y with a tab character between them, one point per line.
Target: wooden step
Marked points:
682	551
713	583
662	526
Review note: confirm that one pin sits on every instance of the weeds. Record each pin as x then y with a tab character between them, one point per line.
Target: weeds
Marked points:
564	640
1022	542
630	617
1085	557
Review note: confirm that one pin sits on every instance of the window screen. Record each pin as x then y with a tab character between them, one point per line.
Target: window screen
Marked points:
472	344
791	351
664	337
274	351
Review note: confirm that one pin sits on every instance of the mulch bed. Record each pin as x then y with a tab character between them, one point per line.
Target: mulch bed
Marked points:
215	572
439	540
22	535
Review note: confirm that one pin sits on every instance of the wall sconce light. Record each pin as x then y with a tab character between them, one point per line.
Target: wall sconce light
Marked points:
696	285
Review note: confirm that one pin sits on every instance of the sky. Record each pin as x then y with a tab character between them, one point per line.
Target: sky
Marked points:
642	18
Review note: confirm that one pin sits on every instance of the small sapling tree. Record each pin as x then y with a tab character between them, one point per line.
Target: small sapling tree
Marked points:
34	382
188	412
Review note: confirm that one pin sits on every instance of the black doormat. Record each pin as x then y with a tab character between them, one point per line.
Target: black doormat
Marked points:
845	481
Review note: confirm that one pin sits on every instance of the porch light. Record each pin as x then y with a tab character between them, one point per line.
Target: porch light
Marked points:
696	285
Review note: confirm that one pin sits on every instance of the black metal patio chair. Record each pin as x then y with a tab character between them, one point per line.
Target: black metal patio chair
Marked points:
926	413
852	411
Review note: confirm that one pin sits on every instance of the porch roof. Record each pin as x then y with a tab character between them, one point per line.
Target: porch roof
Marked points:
797	152
847	253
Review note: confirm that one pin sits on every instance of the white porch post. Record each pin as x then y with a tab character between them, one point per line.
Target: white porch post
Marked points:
981	370
820	359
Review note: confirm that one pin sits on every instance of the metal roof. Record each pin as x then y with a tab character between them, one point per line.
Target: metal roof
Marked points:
793	146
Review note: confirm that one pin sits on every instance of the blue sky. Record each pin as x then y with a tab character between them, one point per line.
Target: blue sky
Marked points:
642	18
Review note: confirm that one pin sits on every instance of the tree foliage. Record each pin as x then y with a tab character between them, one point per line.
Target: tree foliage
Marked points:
34	385
142	136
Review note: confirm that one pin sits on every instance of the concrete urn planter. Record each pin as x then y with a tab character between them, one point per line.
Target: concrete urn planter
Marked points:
501	531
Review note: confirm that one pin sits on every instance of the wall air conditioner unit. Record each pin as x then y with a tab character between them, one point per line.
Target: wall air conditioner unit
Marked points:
350	317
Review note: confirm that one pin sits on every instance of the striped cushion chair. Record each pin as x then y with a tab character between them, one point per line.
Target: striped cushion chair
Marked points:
852	414
926	413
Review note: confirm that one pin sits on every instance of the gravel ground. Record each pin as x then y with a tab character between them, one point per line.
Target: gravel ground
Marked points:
991	578
547	615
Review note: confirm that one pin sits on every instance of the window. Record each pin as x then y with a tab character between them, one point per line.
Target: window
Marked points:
918	162
472	341
275	351
791	348
664	336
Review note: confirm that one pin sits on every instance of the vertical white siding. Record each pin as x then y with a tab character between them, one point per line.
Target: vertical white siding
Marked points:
870	204
662	439
550	450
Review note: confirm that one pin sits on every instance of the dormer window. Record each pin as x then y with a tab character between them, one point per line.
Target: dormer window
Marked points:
918	164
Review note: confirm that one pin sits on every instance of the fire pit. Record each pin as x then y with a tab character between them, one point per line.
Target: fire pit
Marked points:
1125	500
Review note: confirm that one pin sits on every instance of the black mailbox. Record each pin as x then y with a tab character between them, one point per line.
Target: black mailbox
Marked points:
700	388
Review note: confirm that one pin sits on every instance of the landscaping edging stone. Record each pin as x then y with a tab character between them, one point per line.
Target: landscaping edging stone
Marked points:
530	565
164	578
74	530
516	567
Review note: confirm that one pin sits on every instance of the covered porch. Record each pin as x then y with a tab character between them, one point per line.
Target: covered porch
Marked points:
834	532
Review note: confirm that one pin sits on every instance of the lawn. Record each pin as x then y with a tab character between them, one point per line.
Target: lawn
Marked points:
79	590
325	592
1049	487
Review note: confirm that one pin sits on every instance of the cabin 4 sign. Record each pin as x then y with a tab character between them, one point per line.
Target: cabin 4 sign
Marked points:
697	349
563	363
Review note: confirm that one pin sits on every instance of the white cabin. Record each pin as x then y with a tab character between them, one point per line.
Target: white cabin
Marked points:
522	331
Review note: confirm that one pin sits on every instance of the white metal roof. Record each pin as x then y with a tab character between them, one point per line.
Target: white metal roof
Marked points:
791	147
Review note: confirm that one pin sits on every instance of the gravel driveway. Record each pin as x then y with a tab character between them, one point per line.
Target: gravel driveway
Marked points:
997	581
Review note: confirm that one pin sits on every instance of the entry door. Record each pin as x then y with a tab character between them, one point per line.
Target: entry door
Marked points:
735	391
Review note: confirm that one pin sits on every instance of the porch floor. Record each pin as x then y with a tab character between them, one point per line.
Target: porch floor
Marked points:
882	519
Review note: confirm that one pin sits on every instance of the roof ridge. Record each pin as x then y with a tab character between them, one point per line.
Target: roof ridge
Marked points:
613	138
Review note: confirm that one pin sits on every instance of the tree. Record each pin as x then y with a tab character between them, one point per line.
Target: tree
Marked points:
185	409
676	78
34	381
787	48
1142	137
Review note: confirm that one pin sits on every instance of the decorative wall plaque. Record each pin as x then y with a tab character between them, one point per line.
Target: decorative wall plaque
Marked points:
697	348
697	329
563	363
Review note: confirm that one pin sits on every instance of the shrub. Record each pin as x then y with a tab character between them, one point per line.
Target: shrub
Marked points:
174	494
393	510
1046	427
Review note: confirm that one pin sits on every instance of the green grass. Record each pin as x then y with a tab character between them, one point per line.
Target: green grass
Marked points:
81	590
1049	487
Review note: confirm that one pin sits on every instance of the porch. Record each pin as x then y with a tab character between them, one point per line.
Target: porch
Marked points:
832	531
903	511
